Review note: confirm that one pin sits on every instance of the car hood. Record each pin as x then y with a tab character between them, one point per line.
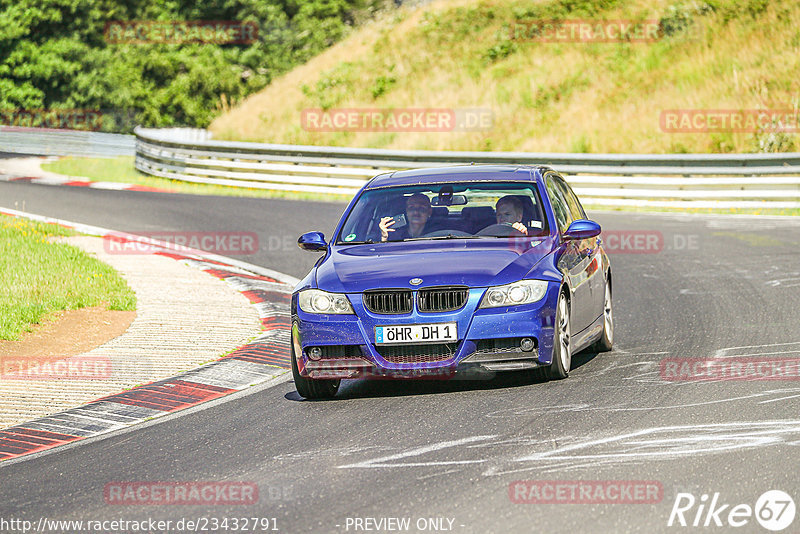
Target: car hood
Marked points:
475	263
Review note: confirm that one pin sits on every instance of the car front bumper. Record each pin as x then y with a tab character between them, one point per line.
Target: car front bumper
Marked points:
484	338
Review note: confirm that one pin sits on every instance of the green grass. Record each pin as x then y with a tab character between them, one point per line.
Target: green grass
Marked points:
121	169
41	277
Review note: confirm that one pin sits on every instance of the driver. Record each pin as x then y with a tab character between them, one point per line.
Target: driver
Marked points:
418	211
509	211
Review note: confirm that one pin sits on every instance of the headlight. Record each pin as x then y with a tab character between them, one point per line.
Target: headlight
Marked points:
523	292
318	301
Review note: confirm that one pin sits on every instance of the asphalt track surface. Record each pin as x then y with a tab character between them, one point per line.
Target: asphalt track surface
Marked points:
716	288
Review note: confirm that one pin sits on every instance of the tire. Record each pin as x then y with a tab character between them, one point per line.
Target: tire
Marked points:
562	356
310	388
606	341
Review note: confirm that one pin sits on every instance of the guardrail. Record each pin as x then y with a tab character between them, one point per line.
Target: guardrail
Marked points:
672	180
52	142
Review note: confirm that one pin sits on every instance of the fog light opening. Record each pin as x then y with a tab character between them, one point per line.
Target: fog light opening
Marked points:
315	353
526	344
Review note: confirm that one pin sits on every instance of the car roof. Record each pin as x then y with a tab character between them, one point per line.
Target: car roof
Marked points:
458	173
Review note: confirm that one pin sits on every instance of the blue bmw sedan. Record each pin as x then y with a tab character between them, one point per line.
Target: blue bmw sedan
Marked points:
439	271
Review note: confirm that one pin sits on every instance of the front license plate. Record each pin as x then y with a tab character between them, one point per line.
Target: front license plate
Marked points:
416	333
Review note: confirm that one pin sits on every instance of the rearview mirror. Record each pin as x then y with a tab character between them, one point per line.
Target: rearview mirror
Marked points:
582	229
451	200
314	241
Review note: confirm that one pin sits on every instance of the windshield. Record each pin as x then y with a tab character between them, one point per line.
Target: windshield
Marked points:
445	211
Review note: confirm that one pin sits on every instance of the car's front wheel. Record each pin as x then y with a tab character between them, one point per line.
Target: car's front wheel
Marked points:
307	387
562	355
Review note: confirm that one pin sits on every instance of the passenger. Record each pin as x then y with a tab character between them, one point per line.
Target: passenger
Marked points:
418	211
508	210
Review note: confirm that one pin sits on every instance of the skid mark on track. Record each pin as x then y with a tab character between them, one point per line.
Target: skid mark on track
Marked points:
331	452
660	443
784	282
756	350
585	407
779	399
648	369
506	456
392	459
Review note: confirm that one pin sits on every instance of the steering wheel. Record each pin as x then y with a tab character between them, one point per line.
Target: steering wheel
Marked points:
500	230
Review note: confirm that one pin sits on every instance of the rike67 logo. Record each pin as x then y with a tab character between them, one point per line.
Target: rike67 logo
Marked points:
774	510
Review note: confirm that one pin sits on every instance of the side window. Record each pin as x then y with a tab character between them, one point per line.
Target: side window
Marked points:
560	207
574	204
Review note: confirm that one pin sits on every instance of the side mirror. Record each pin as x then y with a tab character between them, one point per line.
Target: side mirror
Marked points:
582	229
313	241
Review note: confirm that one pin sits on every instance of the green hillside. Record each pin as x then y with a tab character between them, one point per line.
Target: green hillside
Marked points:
546	96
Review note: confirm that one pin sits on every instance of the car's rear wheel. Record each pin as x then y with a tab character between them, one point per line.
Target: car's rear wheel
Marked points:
562	355
606	341
310	388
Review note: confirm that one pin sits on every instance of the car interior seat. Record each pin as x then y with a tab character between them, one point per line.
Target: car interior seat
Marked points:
530	217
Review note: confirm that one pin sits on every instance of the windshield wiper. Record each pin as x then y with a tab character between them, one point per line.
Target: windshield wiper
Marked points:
367	242
448	236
